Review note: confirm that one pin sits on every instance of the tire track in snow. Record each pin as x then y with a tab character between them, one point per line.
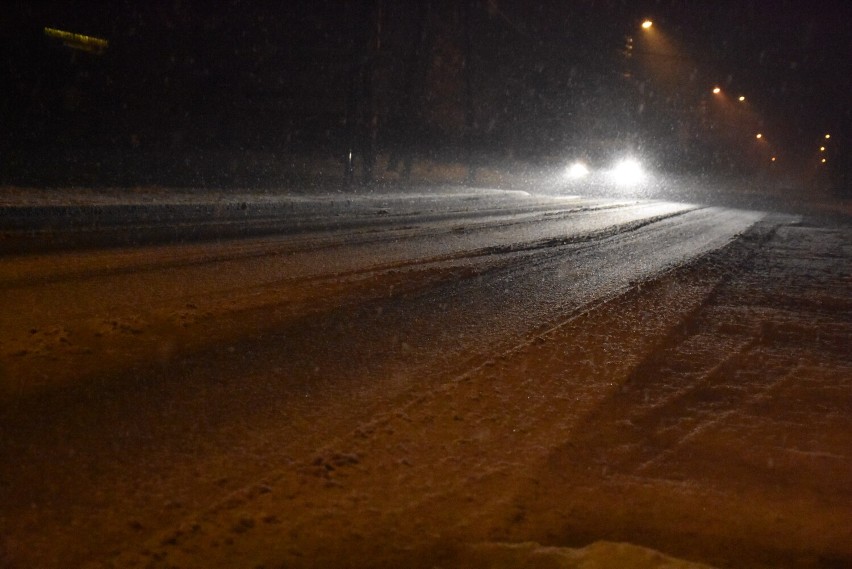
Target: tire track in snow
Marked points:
299	381
730	441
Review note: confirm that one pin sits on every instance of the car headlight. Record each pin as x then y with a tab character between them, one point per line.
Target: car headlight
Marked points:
627	172
577	170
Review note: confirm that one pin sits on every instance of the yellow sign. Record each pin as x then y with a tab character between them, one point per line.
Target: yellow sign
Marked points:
78	41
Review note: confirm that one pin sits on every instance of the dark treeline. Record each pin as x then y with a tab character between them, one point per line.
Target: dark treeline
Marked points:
197	93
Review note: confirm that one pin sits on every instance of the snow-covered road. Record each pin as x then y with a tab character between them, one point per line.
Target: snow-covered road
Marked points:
264	394
87	313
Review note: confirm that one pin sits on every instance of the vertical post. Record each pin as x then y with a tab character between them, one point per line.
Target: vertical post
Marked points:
404	124
370	116
349	128
350	117
468	88
361	120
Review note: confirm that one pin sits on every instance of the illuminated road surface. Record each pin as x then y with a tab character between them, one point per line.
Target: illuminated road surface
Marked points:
491	278
152	394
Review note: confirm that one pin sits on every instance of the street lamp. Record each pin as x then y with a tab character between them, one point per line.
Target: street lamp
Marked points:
646	25
741	98
827	136
716	90
758	136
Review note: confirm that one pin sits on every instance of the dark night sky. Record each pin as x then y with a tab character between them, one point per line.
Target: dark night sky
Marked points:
794	57
220	73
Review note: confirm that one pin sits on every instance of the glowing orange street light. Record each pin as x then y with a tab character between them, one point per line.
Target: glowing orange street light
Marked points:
758	136
822	148
823	160
741	98
716	90
646	25
827	136
773	159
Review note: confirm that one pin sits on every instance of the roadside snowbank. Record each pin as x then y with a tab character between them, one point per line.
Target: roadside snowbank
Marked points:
598	555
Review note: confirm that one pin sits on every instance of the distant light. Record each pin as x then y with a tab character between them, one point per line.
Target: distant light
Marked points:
823	160
647	24
717	90
758	136
822	148
827	136
627	172
773	159
577	170
741	98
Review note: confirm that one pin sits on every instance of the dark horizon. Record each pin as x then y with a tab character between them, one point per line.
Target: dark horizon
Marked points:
480	80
